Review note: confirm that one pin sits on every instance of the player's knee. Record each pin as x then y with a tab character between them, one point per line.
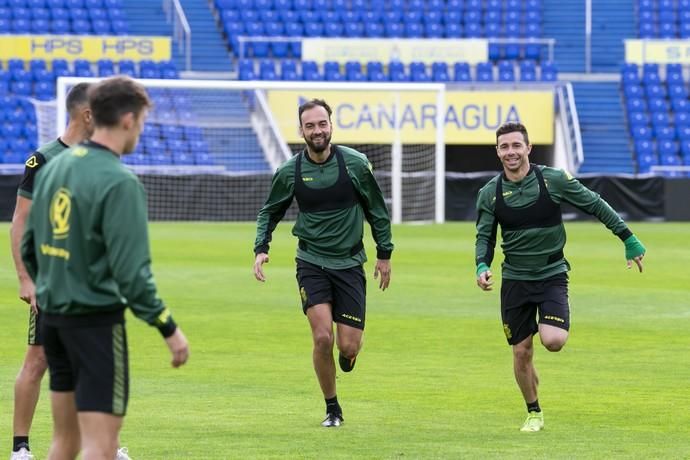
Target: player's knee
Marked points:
323	341
33	369
349	349
554	344
523	355
66	442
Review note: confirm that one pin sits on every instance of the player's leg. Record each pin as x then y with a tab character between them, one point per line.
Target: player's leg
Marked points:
99	435
524	370
554	313
349	311
66	436
65	443
349	340
27	386
518	312
321	323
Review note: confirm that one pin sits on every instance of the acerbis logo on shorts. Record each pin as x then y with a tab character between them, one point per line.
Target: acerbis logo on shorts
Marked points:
507	332
554	318
351	318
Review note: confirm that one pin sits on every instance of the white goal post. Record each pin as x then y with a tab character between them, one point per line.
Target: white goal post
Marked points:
233	118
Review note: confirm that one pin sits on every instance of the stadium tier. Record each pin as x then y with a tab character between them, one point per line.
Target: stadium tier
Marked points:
375	71
389	19
663	18
658	114
79	17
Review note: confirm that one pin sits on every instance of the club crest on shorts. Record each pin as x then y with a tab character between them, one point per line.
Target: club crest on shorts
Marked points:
507	331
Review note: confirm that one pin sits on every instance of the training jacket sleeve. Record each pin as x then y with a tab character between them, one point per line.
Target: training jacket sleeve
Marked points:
572	191
374	206
279	200
125	233
487	225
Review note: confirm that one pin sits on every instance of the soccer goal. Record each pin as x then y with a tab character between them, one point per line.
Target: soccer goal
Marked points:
210	147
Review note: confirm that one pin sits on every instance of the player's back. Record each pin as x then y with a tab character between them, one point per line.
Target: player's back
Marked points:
73	192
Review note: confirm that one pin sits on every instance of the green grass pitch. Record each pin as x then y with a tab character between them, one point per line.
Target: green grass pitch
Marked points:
434	379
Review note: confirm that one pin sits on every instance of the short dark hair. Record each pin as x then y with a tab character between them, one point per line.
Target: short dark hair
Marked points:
512	127
77	97
114	97
310	105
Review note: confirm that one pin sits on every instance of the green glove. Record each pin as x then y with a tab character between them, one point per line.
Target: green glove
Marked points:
481	268
633	247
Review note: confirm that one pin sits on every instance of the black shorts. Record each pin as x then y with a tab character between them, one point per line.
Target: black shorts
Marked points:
87	354
344	289
35	334
521	301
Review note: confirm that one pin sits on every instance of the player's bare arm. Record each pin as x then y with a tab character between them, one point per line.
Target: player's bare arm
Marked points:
27	289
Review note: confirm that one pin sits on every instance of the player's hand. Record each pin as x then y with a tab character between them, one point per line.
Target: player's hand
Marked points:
261	258
27	292
638	262
485	281
634	251
383	267
179	348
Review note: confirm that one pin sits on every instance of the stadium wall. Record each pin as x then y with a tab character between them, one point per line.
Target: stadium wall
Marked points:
651	198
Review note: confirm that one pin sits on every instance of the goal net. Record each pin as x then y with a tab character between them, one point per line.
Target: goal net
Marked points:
209	148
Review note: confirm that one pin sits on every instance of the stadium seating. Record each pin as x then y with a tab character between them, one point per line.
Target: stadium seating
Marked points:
289	69
90	17
658	115
663	19
21	80
393	19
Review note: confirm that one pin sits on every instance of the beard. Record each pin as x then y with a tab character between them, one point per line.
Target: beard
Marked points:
318	144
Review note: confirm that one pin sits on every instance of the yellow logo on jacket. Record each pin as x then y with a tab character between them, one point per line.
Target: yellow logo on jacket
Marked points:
60	208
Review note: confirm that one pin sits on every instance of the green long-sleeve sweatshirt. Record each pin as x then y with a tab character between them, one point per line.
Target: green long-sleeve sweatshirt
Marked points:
529	251
328	237
86	240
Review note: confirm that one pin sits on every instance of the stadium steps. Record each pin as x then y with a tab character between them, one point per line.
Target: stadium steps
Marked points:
209	53
604	138
147	19
612	22
565	22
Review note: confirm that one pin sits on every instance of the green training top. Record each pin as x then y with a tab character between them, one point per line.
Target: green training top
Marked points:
330	238
86	241
535	252
32	165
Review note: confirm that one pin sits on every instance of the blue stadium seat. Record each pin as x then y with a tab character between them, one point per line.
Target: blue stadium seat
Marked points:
453	30
528	71
331	71
310	71
267	70
353	29
396	72
506	71
485	72
439	72
418	72
642	133
639	119
461	72
375	71
549	72
288	70
655	90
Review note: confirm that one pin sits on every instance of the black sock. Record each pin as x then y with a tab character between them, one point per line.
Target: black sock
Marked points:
332	406
20	441
533	407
